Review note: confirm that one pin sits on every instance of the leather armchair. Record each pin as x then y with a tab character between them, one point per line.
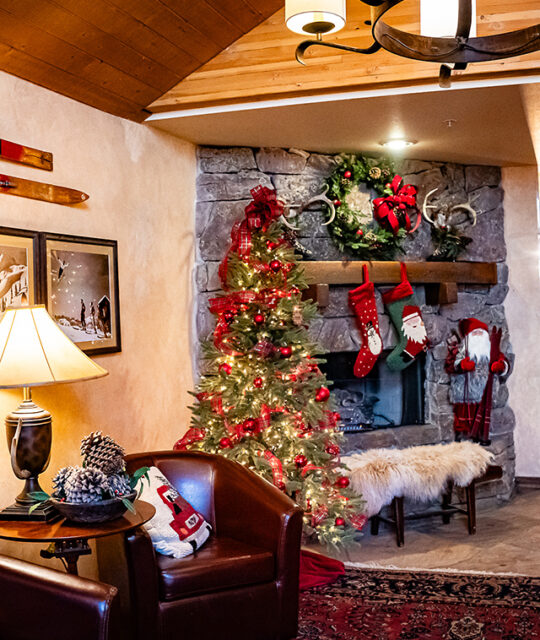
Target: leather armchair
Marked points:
38	602
243	583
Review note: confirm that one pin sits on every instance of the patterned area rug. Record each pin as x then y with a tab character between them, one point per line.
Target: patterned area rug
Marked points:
378	604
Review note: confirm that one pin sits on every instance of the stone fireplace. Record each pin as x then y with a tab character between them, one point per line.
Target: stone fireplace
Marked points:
421	412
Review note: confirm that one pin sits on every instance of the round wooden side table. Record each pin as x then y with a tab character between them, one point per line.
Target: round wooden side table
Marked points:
69	540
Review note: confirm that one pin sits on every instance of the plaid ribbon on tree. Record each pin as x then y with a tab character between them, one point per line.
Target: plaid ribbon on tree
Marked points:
277	468
192	435
264	209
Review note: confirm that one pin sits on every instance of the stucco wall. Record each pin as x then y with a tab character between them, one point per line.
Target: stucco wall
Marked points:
523	312
141	184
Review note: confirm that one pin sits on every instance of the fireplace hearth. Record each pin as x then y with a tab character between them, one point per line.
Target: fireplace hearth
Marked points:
383	399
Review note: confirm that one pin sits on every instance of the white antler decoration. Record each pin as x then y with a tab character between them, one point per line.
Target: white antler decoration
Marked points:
322	197
442	219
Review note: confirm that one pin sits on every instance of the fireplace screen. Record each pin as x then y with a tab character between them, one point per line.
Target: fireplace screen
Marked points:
380	400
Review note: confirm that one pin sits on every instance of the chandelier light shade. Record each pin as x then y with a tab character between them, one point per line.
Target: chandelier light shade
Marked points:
439	18
315	17
456	49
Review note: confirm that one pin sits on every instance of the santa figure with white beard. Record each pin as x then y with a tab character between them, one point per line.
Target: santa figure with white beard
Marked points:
473	362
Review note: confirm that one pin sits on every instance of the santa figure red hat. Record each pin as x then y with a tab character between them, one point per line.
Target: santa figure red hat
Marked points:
414	330
473	362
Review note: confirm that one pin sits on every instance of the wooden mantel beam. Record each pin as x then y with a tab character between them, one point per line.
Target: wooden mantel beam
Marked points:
442	278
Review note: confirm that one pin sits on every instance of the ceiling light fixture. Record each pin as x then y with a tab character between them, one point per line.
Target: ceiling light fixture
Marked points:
454	52
315	17
397	144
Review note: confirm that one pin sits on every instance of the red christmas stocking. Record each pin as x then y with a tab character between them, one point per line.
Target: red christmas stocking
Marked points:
362	301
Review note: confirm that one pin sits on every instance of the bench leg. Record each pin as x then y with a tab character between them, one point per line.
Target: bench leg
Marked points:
471	507
397	508
375	521
447	501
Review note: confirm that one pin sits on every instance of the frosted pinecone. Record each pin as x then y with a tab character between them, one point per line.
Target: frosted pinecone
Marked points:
103	453
59	481
119	485
86	485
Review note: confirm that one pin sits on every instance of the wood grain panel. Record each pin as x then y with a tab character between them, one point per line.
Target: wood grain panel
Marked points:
261	64
333	272
119	55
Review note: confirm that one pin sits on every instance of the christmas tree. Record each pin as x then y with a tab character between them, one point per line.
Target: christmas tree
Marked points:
264	401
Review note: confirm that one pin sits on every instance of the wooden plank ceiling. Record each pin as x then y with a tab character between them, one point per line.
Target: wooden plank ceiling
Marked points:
119	55
261	65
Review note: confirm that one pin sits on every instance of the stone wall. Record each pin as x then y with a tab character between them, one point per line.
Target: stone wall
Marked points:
223	185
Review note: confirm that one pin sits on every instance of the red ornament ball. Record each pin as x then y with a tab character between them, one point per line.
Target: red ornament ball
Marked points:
228	315
347	174
402	206
244	307
286	352
337	203
340	522
342	482
258	383
226	368
249	424
258	318
300	461
387	185
322	394
271	245
333	449
360	233
225	443
275	265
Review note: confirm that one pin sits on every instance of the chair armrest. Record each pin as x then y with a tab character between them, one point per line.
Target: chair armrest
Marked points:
38	602
143	579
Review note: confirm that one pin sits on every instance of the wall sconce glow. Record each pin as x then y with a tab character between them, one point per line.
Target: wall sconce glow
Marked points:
397	144
439	18
312	17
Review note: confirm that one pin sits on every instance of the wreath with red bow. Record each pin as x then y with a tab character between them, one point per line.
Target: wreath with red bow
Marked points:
371	229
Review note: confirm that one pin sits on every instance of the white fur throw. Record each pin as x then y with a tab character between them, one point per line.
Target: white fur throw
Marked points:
419	473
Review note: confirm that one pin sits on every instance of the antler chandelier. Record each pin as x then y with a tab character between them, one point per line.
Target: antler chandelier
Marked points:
319	17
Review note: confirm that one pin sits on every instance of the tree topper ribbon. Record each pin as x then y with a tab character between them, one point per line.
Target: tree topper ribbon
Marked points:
264	209
404	196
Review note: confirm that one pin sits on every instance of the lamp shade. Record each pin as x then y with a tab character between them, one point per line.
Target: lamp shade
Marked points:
310	17
439	18
34	351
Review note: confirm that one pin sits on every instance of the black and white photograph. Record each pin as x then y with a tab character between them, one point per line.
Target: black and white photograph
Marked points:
17	268
82	290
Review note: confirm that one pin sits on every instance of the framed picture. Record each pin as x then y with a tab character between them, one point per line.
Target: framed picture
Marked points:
80	290
19	264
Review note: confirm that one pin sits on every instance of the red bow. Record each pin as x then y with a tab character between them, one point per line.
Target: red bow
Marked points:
404	196
264	209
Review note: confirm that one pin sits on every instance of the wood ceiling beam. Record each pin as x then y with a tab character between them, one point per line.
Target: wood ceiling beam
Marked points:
261	64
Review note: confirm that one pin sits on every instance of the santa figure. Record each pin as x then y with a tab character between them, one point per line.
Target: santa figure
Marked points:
473	361
373	339
414	330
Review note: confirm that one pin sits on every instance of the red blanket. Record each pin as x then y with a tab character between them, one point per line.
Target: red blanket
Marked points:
316	569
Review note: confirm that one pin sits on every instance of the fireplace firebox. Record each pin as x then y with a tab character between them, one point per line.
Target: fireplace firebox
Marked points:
383	399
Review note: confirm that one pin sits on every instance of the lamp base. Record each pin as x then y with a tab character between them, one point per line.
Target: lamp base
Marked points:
19	513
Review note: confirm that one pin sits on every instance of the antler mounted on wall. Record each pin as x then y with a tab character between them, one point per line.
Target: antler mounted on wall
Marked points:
294	210
445	212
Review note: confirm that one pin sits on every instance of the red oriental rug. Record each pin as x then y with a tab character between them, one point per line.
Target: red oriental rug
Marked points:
379	604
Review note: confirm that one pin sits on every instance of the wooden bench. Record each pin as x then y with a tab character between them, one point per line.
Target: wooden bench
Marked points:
447	510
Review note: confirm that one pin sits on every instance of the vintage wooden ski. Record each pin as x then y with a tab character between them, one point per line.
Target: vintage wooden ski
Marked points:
26	155
40	191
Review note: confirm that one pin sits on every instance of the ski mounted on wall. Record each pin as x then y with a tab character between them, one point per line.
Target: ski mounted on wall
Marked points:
26	155
40	191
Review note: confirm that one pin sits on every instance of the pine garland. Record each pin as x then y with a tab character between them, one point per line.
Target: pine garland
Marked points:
353	230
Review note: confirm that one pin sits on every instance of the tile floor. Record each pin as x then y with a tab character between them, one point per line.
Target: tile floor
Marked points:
507	540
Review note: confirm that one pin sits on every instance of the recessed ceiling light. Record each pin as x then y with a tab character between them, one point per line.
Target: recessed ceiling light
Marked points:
397	144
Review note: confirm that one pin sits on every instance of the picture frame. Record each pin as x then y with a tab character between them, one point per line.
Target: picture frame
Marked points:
20	283
79	287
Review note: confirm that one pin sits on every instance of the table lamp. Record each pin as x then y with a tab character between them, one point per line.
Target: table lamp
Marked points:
34	352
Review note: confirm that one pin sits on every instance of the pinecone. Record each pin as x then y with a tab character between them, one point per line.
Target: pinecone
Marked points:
86	485
103	453
59	481
119	485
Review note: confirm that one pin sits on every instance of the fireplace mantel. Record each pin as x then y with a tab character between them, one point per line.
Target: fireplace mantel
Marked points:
441	278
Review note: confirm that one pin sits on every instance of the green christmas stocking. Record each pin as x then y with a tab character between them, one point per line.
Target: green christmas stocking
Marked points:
407	319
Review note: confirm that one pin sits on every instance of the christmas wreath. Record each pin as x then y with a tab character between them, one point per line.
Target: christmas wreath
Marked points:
371	230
